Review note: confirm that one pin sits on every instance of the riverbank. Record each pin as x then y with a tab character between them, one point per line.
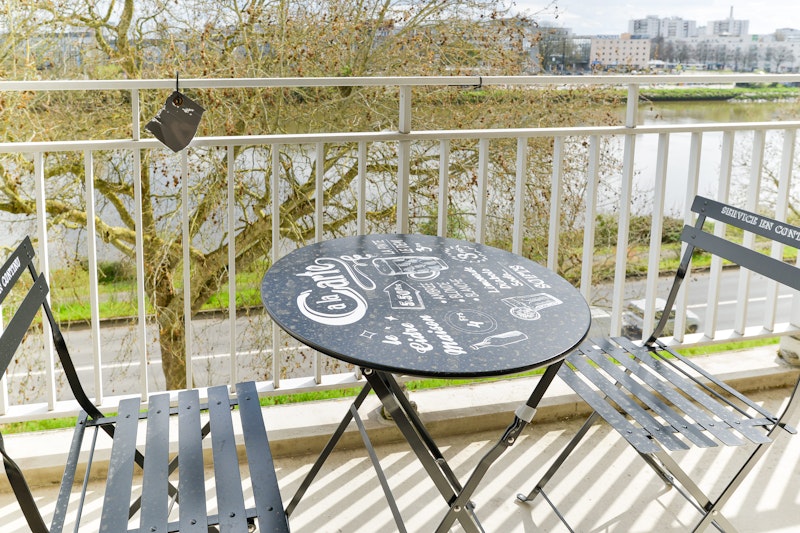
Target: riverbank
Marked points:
738	93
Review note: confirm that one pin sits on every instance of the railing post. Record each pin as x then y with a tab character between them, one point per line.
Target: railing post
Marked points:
632	106
234	364
726	162
592	181
692	183
141	325
555	204
403	160
275	182
656	229
781	211
94	298
44	268
444	186
135	115
187	269
482	195
519	195
626	190
753	192
319	184
362	188
621	266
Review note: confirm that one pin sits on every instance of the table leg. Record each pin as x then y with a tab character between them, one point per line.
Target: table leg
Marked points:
376	464
422	444
523	416
326	451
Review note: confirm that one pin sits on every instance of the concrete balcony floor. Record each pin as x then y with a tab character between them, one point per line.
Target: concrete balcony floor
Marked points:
604	486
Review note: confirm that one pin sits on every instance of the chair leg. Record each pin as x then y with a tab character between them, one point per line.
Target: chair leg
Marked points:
712	510
571	445
695	495
660	471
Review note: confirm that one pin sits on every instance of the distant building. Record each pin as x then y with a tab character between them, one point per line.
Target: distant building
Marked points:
621	52
729	27
646	28
787	34
654	27
680	44
678	28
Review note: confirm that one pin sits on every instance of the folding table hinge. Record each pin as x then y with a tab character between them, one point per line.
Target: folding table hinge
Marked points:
525	412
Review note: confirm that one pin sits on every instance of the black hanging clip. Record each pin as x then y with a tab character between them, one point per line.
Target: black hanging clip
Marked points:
176	123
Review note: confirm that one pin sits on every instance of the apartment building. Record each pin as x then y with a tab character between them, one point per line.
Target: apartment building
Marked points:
621	52
653	27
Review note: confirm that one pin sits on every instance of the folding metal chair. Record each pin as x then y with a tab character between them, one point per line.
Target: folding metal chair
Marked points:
662	402
173	492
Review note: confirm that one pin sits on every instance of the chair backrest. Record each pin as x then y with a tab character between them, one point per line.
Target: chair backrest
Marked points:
21	261
705	237
32	299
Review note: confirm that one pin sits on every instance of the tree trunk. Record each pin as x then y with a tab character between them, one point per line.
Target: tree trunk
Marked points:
168	304
172	339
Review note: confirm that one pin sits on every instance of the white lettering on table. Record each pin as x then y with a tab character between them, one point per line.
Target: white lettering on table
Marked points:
417	340
334	302
449	344
528	307
401	246
501	339
529	277
403	296
500	283
482	280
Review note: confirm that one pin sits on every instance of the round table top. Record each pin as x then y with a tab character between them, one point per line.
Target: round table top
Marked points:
425	306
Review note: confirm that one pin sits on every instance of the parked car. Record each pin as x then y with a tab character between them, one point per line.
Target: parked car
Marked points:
633	319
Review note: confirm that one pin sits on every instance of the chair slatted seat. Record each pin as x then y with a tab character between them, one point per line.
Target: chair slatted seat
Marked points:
173	495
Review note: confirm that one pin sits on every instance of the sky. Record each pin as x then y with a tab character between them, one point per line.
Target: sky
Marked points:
598	17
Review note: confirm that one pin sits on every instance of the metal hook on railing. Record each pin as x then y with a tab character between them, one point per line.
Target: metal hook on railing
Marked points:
178	100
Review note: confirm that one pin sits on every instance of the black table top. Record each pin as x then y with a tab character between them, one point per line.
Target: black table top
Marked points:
425	306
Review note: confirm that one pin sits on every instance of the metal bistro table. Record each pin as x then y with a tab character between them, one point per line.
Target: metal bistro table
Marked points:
425	306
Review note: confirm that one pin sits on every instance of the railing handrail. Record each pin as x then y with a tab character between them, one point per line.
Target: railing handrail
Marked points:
394	136
377	81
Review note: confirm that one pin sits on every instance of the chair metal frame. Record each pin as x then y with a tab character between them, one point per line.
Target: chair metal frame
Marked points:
661	401
160	492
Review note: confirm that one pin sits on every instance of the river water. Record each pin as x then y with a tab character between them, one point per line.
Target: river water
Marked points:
663	113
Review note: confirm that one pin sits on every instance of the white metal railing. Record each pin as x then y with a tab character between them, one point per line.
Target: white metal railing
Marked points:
405	138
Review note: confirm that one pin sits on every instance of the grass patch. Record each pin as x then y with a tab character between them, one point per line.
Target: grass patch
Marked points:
729	346
333	394
38	425
679	94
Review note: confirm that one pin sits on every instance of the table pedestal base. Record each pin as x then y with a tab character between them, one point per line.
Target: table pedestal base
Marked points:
404	415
